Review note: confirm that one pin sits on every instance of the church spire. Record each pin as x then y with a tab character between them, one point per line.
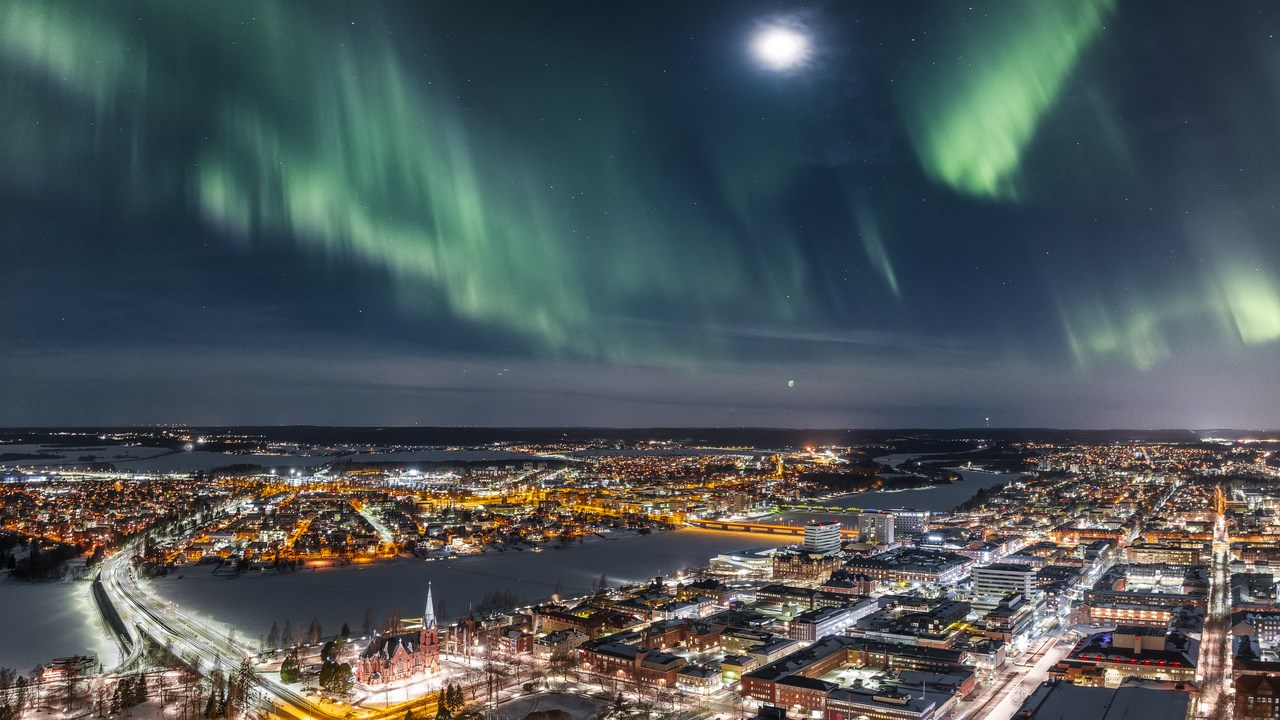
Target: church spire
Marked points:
429	617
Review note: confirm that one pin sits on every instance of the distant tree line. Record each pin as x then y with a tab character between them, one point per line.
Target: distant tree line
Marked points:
44	560
979	498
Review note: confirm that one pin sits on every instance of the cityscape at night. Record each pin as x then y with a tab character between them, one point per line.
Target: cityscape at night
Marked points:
579	360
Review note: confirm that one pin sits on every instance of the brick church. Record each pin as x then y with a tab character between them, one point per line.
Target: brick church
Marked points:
393	658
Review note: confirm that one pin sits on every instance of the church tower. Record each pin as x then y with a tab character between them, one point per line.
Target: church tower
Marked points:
429	638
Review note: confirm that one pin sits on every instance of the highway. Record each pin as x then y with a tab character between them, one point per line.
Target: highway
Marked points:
188	638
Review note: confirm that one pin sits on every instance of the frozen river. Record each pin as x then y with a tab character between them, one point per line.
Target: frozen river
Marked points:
250	603
42	621
939	498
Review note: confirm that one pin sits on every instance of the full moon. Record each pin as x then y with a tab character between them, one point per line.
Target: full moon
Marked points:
780	48
791	383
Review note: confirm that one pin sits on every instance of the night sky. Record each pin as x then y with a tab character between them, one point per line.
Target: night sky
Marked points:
641	213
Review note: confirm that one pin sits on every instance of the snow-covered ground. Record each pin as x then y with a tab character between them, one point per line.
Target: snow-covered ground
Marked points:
159	460
250	603
41	621
578	707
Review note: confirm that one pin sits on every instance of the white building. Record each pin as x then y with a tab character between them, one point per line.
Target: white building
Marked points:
992	582
823	537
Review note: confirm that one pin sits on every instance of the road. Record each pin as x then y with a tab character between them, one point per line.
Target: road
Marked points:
188	638
1214	672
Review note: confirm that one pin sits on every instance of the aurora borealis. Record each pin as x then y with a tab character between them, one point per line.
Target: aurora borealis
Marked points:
1057	214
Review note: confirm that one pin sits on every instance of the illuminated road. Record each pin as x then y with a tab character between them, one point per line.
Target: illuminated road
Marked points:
1214	672
189	638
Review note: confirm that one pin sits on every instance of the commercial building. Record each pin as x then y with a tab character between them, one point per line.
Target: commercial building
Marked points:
1012	619
875	526
1257	697
993	582
822	536
810	625
630	662
796	564
888	704
911	521
814	661
910	565
1151	553
1141	652
1065	701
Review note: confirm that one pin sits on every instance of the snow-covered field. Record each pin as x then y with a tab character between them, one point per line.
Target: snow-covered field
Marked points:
41	621
252	602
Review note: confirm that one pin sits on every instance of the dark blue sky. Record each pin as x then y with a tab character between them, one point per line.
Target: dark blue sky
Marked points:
1052	214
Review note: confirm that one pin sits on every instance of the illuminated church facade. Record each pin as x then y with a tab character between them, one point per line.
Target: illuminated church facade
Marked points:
395	658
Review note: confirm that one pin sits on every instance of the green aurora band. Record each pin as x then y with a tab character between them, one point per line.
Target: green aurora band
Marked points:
312	131
973	108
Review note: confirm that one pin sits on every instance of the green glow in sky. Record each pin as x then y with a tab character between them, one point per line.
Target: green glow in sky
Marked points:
974	109
1251	300
1238	306
316	132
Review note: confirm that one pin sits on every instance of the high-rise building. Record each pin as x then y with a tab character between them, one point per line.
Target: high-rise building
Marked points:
993	582
822	536
876	527
911	521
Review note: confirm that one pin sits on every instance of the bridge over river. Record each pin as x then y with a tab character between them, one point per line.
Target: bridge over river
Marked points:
739	526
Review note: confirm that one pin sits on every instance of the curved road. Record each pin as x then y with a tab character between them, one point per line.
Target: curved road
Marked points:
189	638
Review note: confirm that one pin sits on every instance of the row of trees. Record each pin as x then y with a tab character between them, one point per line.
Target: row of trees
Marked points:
130	692
13	694
449	700
291	636
288	638
335	677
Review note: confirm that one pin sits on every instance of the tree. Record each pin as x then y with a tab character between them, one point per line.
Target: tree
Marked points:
346	631
442	706
344	680
239	688
290	669
453	695
391	625
313	632
331	649
337	679
287	638
368	622
273	637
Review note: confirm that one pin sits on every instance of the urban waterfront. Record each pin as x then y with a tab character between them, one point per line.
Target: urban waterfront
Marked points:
250	603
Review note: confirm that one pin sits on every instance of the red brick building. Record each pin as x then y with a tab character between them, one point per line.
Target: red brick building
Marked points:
393	658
